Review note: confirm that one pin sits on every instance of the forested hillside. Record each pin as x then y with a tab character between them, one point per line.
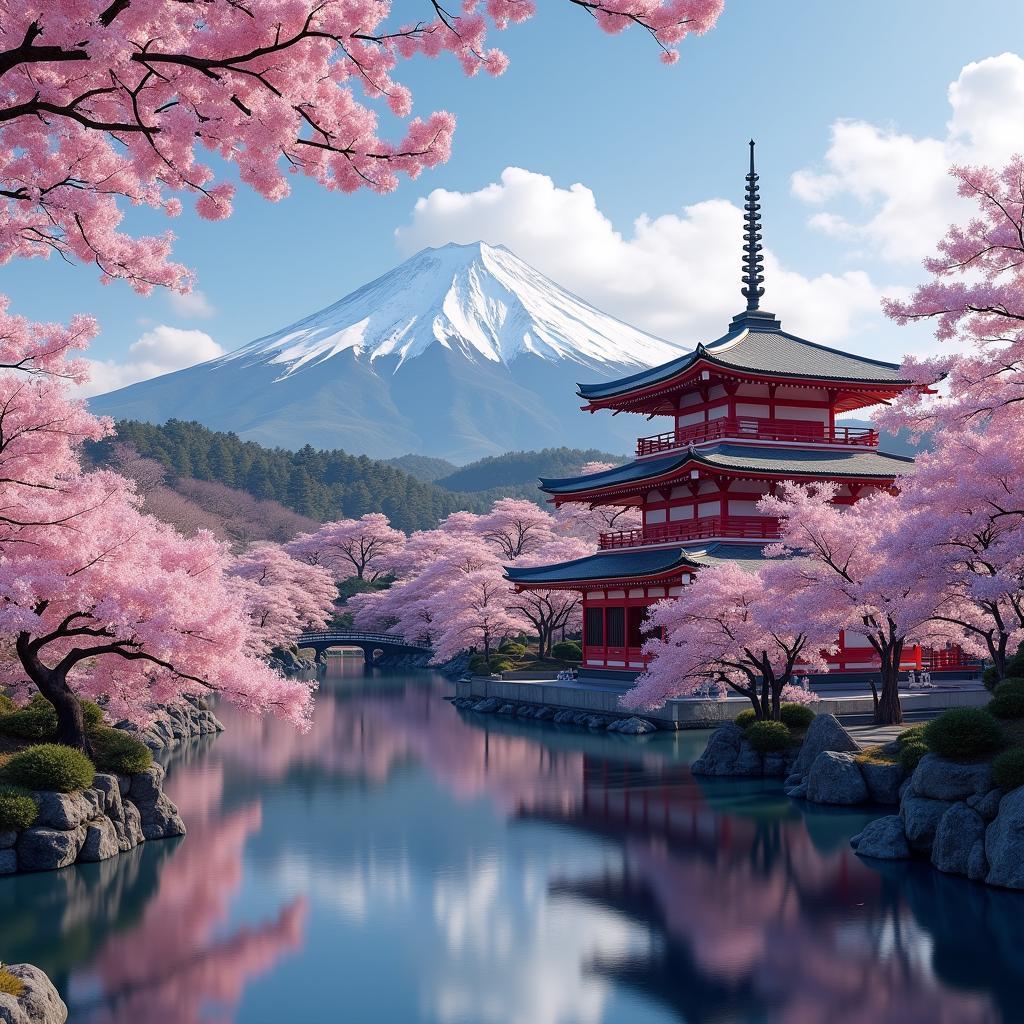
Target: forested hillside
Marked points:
516	469
321	485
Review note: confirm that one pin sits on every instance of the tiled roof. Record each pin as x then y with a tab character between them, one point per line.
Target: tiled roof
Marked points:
637	562
761	347
856	463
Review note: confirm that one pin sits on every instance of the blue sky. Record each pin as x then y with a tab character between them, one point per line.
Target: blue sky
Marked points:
579	106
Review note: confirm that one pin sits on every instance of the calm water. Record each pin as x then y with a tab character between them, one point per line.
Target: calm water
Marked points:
406	864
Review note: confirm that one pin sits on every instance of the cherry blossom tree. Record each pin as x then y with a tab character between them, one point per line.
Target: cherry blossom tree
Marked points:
835	569
551	612
473	614
516	527
107	102
121	608
360	548
731	626
283	595
964	527
976	298
587	521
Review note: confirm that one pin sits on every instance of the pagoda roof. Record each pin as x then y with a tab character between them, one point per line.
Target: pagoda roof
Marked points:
636	563
756	344
857	464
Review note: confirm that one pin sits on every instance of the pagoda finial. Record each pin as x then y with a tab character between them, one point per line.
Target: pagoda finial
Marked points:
753	261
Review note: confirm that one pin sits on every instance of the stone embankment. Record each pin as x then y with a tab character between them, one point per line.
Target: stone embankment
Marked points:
115	815
627	725
175	723
38	1003
953	815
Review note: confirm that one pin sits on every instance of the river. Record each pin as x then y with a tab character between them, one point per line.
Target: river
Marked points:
407	864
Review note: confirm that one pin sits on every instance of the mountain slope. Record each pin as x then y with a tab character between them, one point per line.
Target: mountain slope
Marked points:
458	353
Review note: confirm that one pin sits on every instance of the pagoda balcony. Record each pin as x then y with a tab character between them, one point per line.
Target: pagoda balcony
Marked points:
763	528
755	429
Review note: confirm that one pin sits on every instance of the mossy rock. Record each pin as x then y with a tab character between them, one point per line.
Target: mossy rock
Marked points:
11	984
49	766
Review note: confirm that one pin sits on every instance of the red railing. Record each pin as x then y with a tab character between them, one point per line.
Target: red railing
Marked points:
748	527
798	431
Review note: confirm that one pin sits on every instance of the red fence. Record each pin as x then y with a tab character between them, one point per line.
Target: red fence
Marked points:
743	527
796	431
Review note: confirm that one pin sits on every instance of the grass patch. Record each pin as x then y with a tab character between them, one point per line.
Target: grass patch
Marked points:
11	984
875	755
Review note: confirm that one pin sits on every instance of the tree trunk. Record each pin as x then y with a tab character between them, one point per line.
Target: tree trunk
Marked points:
888	710
70	720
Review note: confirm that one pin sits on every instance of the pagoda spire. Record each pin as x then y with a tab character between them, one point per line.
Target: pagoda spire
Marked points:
753	261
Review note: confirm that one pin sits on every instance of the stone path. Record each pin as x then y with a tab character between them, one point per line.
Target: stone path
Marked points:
874	735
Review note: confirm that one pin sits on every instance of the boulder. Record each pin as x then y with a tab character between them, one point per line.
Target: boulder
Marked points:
720	754
46	849
776	763
101	841
64	811
883	781
129	830
798	792
883	839
824	733
524	711
921	817
8	862
487	706
507	709
1004	843
7	839
977	862
564	717
545	714
634	727
835	778
596	722
158	816
39	1003
748	763
935	778
987	805
110	793
957	832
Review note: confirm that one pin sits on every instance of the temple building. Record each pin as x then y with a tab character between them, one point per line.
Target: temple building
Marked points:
755	407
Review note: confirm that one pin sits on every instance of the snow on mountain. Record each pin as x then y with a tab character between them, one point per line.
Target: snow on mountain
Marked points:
458	352
478	299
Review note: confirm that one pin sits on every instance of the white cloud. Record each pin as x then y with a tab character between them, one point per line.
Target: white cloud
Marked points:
676	275
893	189
194	305
159	350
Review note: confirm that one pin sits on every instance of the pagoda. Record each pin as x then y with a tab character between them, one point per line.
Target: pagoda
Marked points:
749	410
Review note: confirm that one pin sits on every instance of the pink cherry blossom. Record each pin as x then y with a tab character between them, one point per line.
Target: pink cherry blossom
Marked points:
360	548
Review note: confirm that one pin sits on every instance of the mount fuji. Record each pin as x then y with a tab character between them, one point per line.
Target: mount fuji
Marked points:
459	352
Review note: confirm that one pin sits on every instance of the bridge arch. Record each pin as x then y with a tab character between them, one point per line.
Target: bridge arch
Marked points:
374	646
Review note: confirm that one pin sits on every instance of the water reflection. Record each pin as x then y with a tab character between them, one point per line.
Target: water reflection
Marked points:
406	863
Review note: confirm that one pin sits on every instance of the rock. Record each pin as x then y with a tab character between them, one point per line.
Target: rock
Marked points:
507	709
110	792
64	811
921	817
487	706
987	804
835	778
824	733
159	817
883	781
748	763
797	792
635	727
957	832
39	1003
794	779
101	841
720	754
524	711
938	779
977	862
545	714
1004	843
564	717
8	862
7	839
776	763
883	839
129	831
596	721
46	849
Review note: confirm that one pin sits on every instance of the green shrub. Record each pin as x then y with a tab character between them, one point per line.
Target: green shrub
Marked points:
911	736
36	721
1008	704
1009	685
11	984
1008	769
796	716
567	650
911	754
768	736
17	808
7	705
501	665
478	663
92	713
989	676
117	752
49	766
746	718
963	733
512	649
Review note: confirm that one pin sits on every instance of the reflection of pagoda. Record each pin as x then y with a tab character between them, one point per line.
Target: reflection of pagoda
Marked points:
749	410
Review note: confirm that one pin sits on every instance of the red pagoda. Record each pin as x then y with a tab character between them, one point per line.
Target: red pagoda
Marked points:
755	407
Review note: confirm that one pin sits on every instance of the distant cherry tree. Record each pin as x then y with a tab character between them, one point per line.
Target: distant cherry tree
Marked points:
114	101
731	627
351	548
516	527
976	299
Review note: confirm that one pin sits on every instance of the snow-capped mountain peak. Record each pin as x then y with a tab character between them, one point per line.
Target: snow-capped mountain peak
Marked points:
478	300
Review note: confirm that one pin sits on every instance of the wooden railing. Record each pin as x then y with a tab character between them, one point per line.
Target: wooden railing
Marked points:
747	427
742	527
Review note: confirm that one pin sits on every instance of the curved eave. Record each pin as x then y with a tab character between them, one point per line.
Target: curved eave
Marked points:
676	564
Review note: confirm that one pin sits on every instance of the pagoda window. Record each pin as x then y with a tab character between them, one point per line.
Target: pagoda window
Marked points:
743	508
717	392
655	515
593	627
688	419
615	625
751	409
693	398
793	412
709	508
718	412
678	512
752	391
634	621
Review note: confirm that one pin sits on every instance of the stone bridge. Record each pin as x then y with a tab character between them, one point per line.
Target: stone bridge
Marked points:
373	645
